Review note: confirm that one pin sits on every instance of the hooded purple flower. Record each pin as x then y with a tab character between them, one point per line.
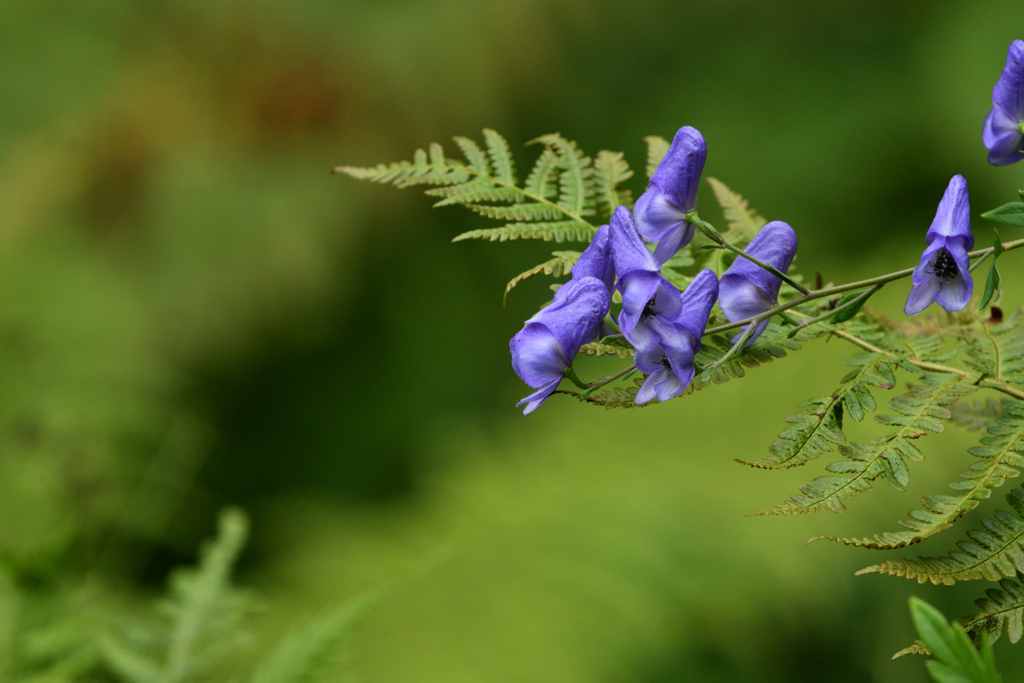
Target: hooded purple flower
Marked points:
944	274
648	299
1003	133
543	350
672	193
595	261
748	289
669	366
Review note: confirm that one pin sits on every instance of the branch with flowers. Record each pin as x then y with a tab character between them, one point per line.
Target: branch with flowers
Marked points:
694	307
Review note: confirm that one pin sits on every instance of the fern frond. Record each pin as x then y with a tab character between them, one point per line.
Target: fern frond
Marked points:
557	231
307	652
477	190
501	157
657	147
543	179
997	351
978	415
562	262
534	211
424	169
743	221
999	458
610	171
992	554
202	602
476	157
818	428
917	413
1001	610
617	346
575	177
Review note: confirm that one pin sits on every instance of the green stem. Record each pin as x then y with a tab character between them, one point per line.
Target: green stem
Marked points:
715	236
852	302
849	287
571	375
600	382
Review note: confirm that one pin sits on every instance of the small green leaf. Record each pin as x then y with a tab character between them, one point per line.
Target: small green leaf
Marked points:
1011	214
992	284
1021	193
956	658
845	314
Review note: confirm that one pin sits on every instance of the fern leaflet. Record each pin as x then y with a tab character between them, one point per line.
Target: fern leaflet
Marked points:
918	412
610	171
562	262
999	458
657	148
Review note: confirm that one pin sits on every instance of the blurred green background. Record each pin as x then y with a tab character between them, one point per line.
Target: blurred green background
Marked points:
194	312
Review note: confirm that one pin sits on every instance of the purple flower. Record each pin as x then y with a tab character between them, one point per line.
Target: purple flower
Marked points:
672	193
648	299
669	366
1003	133
748	289
944	274
543	350
595	261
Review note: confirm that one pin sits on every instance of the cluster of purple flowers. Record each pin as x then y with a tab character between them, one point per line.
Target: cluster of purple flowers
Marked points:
664	325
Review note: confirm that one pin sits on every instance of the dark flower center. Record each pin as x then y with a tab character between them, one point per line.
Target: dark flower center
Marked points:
664	363
943	266
648	311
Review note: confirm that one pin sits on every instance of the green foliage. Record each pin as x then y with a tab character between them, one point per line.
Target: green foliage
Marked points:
918	412
956	658
997	351
992	282
818	428
203	609
657	147
992	554
561	263
1011	214
307	653
615	345
562	190
977	415
999	458
742	221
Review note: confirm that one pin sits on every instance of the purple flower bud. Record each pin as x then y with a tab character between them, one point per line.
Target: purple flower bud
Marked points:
943	276
748	289
672	193
648	299
595	261
1002	132
544	349
669	365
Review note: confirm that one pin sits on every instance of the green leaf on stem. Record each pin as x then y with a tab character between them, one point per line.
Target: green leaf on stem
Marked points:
956	658
992	284
1011	214
844	314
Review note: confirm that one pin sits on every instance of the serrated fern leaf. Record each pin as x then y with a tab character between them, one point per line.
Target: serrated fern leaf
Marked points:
917	413
501	157
478	190
476	157
742	220
575	177
543	179
657	147
994	553
610	171
562	262
978	415
611	347
557	231
1001	610
817	429
997	351
773	343
307	652
203	604
999	458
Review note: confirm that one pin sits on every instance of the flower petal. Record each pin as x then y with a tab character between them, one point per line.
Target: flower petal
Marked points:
922	295
678	174
655	215
537	357
534	400
637	287
628	250
955	294
696	303
649	388
573	318
953	216
776	245
596	260
1008	93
